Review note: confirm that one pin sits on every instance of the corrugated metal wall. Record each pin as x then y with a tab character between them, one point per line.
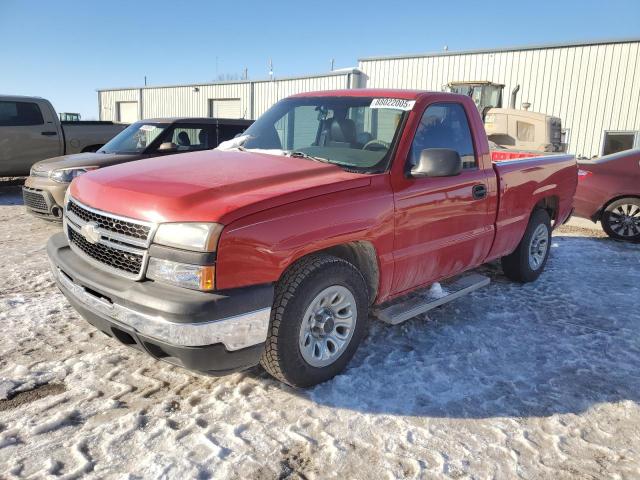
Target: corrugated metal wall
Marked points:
592	88
269	92
193	100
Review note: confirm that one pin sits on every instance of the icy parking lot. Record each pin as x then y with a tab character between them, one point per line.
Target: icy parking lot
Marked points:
534	381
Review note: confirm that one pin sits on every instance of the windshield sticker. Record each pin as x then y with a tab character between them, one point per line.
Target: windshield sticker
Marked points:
393	103
148	128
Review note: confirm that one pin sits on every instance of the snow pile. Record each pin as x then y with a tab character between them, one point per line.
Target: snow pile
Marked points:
437	291
535	381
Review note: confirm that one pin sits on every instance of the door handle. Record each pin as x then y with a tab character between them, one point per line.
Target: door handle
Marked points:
48	134
479	191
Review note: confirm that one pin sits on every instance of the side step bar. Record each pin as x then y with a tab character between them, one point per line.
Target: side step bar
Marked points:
417	303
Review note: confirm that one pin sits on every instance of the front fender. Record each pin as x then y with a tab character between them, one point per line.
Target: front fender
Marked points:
258	248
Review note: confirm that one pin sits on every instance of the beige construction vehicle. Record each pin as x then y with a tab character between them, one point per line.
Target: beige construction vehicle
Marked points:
512	128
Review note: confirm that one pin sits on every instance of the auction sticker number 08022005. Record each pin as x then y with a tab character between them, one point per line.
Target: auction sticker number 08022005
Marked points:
393	103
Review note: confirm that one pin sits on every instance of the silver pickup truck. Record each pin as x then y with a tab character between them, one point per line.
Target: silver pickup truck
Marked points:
30	131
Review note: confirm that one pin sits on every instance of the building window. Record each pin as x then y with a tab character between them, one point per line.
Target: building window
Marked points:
618	141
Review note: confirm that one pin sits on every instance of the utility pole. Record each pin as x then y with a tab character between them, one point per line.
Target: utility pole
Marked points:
271	69
145	80
333	61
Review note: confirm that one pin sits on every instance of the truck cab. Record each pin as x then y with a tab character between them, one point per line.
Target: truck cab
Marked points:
30	131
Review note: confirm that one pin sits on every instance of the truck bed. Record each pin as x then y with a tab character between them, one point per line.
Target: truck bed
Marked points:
520	181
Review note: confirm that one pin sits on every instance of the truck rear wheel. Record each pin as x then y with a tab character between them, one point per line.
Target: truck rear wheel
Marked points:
527	262
318	319
621	219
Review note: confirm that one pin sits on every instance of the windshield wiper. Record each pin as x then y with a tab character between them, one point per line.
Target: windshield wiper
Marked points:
310	157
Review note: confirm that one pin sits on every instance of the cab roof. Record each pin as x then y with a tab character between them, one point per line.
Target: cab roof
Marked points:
368	92
204	120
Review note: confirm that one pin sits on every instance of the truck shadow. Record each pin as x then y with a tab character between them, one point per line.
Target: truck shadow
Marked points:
562	344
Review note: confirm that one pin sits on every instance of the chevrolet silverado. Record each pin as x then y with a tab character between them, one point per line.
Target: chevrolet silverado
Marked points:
276	247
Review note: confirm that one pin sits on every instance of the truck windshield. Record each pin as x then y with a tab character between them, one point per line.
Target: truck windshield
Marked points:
357	133
135	138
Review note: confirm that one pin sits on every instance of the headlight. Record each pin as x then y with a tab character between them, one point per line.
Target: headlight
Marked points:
202	237
65	175
196	277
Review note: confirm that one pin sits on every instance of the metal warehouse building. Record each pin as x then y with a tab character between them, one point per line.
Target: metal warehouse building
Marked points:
242	99
593	87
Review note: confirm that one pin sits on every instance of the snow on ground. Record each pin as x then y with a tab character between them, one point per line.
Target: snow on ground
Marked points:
534	381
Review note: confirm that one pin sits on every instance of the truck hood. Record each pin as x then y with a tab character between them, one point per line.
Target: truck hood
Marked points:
211	186
83	160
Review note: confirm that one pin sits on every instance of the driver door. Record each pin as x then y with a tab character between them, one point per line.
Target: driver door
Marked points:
443	225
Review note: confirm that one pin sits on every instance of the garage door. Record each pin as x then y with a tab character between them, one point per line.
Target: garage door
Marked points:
225	108
127	112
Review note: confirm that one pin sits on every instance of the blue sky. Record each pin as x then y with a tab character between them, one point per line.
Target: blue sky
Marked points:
64	50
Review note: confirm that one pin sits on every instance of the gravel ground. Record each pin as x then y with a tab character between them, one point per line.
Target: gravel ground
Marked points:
534	381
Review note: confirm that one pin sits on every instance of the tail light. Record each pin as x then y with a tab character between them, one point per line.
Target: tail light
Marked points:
584	174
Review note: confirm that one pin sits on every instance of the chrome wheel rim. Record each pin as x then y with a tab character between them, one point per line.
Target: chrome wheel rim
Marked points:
327	326
539	246
624	220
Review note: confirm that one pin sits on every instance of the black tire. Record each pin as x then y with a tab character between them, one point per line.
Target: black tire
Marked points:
299	285
612	219
517	266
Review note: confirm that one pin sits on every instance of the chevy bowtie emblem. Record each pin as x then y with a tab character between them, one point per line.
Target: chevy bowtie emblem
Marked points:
90	232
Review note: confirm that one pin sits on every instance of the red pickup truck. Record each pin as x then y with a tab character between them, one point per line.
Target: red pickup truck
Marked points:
275	248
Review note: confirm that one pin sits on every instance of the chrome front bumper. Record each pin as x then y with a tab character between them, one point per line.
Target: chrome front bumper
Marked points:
235	333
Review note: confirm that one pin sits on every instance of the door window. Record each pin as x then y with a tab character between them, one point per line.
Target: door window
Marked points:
444	125
17	114
619	141
188	138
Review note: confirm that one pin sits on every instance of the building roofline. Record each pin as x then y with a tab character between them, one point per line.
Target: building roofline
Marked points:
502	49
334	73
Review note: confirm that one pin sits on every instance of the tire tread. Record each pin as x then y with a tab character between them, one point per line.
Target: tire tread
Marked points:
284	292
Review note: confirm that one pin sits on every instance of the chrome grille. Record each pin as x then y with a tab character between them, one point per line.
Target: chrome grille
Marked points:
116	225
34	199
111	242
112	257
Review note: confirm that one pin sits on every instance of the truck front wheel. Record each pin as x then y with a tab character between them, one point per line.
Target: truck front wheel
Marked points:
527	262
318	319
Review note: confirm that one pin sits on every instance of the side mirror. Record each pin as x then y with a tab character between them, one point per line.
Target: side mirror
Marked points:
167	147
437	162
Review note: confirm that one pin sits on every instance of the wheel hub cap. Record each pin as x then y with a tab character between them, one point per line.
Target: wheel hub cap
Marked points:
322	323
538	247
327	326
624	220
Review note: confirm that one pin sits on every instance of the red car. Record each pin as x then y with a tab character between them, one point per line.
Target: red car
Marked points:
609	191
